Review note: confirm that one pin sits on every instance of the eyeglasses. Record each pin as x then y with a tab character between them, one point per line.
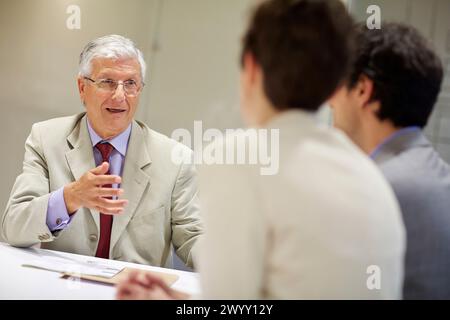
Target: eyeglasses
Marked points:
131	87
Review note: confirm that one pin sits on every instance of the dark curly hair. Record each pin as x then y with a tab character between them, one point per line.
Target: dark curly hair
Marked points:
303	48
406	73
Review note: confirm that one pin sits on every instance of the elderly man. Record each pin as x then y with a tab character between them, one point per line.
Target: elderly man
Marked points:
100	183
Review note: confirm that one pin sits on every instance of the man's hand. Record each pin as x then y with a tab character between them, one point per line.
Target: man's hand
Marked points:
145	286
88	192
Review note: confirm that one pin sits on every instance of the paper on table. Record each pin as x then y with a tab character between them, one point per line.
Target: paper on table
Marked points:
168	278
90	268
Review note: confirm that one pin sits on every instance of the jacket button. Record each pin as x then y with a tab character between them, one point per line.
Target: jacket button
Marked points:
93	237
58	221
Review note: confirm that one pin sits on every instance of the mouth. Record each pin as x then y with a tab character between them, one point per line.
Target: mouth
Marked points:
115	110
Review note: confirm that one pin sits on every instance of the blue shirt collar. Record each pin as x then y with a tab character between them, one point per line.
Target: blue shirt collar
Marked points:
119	142
392	137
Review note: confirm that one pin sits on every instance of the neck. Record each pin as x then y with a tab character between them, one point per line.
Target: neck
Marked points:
268	117
374	133
108	135
105	134
266	112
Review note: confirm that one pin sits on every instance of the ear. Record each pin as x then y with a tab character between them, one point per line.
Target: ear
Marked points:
364	90
251	69
81	87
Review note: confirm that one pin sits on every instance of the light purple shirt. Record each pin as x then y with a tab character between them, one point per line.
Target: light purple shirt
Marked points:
57	216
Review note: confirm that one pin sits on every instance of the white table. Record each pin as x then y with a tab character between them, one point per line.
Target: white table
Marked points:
18	282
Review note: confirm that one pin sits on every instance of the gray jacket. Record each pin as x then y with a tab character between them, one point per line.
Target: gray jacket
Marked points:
421	182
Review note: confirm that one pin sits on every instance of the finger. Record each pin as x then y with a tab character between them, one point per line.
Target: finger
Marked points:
133	275
156	286
157	293
108	203
110	211
122	289
153	280
100	180
101	169
134	292
139	278
124	282
126	292
109	192
122	294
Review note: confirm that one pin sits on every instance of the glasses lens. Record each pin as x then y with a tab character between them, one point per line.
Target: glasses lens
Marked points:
107	84
131	87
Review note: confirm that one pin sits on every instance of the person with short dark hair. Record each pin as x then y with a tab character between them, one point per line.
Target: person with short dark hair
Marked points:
326	225
383	107
288	43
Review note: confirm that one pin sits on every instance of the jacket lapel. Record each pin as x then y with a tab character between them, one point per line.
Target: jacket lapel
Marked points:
134	180
80	158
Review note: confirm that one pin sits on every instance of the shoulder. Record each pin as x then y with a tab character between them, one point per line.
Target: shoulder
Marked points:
62	126
54	131
330	149
153	137
161	147
417	173
327	160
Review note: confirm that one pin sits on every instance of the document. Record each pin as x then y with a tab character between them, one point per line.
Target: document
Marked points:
68	266
91	270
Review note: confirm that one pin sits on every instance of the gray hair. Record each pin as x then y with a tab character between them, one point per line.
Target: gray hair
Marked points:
112	46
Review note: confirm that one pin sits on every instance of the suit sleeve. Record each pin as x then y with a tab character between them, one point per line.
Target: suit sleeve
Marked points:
24	221
186	224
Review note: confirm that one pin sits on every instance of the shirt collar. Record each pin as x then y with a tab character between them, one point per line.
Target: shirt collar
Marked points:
119	142
393	136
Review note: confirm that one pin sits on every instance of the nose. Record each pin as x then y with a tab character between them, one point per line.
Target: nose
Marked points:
119	93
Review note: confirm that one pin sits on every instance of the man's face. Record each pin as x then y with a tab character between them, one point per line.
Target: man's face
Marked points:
110	112
346	111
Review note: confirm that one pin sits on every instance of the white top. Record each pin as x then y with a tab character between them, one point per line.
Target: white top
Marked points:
312	231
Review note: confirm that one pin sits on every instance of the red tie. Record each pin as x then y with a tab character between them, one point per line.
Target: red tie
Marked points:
105	219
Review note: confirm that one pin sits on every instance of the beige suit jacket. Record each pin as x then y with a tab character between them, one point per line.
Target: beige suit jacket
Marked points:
163	205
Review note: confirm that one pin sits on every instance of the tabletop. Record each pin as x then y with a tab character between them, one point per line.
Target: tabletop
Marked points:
19	282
